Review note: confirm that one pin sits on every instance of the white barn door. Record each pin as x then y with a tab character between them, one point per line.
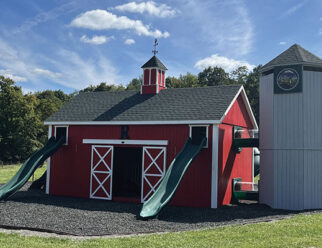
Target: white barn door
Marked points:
101	172
153	170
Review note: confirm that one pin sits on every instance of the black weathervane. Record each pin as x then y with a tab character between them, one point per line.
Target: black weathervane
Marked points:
155	47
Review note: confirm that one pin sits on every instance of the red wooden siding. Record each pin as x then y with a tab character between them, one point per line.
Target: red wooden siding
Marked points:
153	76
159	77
70	166
230	163
238	114
146	76
149	89
163	82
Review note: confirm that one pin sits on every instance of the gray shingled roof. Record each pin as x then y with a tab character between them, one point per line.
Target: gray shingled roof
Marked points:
294	55
207	103
154	62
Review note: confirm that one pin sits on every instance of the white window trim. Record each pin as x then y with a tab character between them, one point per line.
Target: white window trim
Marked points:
66	143
207	131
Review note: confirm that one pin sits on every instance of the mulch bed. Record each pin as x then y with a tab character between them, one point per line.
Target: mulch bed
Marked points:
34	210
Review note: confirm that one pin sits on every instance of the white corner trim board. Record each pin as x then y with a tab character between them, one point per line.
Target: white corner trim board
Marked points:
125	142
48	163
214	166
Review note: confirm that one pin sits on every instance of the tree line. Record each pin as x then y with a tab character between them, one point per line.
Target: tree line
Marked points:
22	131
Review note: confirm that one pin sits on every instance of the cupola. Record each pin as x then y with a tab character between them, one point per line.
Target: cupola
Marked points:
153	74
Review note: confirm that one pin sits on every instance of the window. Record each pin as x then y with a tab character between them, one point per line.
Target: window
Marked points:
197	133
62	132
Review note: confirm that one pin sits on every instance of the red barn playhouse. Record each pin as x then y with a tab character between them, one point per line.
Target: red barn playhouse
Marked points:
120	144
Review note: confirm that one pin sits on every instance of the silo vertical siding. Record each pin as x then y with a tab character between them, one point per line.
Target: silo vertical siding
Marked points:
288	121
291	144
266	141
288	173
313	179
266	112
288	151
312	91
266	184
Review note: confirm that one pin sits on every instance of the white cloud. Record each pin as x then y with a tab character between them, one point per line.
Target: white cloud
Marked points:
96	40
293	9
78	72
27	90
223	62
72	70
129	41
150	7
43	17
228	29
16	78
321	19
102	20
320	31
283	43
46	73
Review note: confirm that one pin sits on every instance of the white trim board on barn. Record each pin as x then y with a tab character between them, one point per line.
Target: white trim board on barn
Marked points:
50	128
132	122
214	166
145	175
126	142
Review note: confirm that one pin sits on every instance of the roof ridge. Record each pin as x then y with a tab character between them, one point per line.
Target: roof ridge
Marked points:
301	49
295	54
184	88
205	87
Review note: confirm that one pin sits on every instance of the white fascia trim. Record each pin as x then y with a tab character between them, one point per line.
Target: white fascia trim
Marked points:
214	166
131	122
247	104
298	63
48	162
126	142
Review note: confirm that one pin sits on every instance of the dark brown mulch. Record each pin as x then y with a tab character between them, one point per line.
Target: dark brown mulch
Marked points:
34	210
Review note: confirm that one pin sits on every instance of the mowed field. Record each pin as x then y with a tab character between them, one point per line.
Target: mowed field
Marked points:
8	171
304	230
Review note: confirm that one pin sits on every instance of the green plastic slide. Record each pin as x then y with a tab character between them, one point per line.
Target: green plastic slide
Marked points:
29	167
172	179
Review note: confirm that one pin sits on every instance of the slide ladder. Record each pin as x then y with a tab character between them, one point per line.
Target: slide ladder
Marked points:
172	179
29	167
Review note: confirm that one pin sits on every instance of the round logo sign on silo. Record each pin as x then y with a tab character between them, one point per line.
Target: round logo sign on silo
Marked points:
288	79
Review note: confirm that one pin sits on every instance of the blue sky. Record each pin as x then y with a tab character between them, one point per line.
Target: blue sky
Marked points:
59	44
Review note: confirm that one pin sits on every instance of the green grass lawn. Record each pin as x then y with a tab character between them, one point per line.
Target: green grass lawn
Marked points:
256	179
8	171
300	231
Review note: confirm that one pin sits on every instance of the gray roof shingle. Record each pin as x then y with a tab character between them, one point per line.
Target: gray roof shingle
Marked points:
154	62
206	103
294	55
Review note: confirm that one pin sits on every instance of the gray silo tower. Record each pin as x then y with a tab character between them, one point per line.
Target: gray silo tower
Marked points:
291	131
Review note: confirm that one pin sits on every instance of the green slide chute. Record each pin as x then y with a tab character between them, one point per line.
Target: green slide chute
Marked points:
171	179
29	167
